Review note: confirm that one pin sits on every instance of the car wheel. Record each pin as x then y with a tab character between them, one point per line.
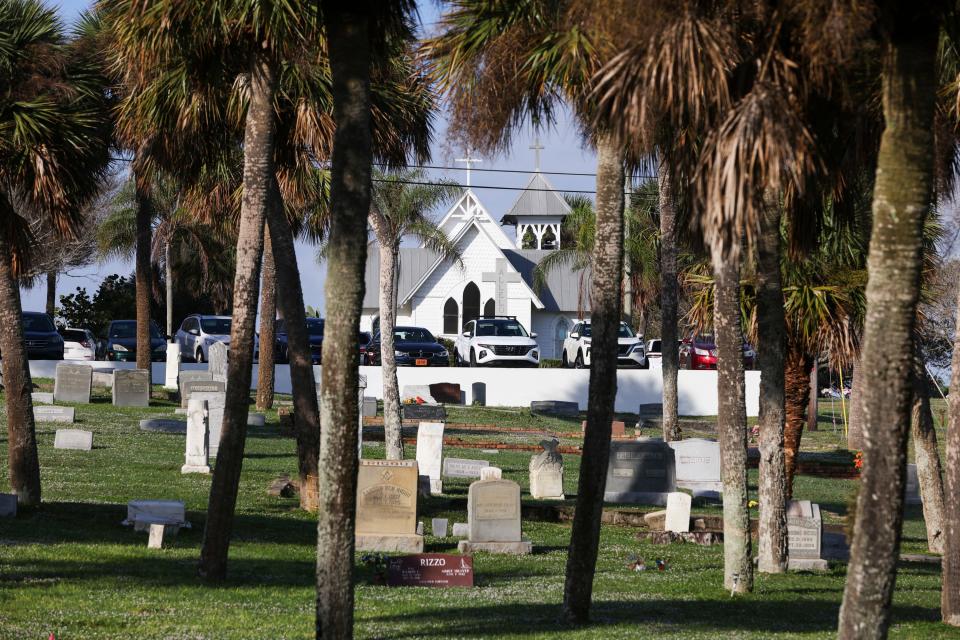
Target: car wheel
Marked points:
473	358
563	360
578	363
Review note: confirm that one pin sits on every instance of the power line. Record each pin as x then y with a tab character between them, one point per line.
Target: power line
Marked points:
549	173
501	188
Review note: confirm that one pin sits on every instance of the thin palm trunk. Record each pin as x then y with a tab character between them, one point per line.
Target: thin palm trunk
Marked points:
268	325
796	381
605	319
22	460
143	268
812	399
901	198
855	420
258	171
669	295
349	41
290	301
950	592
771	327
392	418
732	430
929	472
51	293
168	267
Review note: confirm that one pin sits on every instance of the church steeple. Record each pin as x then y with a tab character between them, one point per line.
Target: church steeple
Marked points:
538	211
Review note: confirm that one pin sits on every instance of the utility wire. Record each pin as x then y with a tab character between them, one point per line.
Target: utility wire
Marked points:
501	188
549	173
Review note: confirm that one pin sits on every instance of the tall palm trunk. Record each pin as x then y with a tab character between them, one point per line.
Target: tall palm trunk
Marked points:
22	460
929	472
168	275
605	319
349	43
950	592
901	197
392	418
772	555
268	326
669	295
855	421
258	170
796	391
51	293
290	299
143	268
732	429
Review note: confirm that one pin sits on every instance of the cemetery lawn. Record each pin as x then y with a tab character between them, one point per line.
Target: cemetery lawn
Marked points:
71	569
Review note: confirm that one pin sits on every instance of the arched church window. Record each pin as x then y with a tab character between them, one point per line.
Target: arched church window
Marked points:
529	239
450	312
490	309
471	303
549	241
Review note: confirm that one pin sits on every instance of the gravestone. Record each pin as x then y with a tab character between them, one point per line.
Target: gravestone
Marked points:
805	536
650	411
361	389
493	517
218	355
430	570
460	530
387	507
678	512
163	425
447	392
188	388
103	378
131	388
256	420
198	444
617	428
40	397
216	403
698	467
911	489
555	408
546	472
142	513
172	370
430	454
8	505
73	439
478	393
50	413
188	375
160	535
369	407
72	383
414	391
425	412
641	471
463	467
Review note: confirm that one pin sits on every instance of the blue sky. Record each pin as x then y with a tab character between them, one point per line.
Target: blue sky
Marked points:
563	152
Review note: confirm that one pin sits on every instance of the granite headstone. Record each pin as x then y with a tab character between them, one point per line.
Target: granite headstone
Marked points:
463	467
805	536
72	383
131	388
641	471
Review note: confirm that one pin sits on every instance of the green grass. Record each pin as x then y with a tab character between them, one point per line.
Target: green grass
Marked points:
71	568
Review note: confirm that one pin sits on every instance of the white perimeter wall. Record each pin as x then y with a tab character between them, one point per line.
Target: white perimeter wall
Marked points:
697	390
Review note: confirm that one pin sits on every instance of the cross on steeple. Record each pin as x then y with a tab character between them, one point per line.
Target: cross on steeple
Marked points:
469	162
537	148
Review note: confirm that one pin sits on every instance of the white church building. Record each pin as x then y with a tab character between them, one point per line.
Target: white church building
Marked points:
442	296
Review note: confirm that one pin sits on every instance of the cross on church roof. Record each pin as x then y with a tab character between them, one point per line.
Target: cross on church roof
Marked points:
469	162
537	148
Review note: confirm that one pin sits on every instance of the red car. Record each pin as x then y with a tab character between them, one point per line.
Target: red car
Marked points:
700	352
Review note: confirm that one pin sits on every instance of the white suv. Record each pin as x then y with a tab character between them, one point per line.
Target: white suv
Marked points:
497	340
630	350
198	332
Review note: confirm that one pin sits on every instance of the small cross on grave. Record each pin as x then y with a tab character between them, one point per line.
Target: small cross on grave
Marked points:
503	277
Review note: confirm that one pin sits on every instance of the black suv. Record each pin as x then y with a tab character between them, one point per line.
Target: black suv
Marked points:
40	334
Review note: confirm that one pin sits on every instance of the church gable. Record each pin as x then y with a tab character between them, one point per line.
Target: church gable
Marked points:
468	209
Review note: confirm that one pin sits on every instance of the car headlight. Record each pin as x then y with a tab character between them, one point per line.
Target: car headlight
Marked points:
486	346
638	348
535	354
399	354
701	352
443	354
119	347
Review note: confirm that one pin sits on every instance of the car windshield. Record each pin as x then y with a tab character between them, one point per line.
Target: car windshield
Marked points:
501	328
623	332
412	334
364	338
706	338
74	335
128	329
216	326
38	322
315	326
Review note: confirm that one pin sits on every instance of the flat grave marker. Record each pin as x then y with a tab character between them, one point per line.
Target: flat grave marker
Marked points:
430	570
463	467
561	408
76	439
51	413
163	425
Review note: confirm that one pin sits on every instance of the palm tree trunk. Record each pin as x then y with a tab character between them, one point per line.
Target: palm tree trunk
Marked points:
605	319
348	41
669	296
143	268
258	170
796	392
51	293
22	460
929	472
169	294
772	555
855	421
268	325
732	429
812	406
901	198
290	300
950	592
392	419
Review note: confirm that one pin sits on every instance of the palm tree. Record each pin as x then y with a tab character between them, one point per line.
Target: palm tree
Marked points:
268	325
950	593
398	209
52	158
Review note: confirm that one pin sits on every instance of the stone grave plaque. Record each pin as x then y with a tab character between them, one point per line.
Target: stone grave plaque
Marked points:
369	407
546	472
478	393
650	411
414	391
463	467
678	512
387	506
493	518
430	453
172	369
805	536
198	445
430	570
698	466
163	425
460	530
446	392
73	439
160	535
103	378
188	388
426	412
555	408
256	420
8	505
72	383
911	493
40	397
142	513
640	471
131	388
218	354
50	413
189	375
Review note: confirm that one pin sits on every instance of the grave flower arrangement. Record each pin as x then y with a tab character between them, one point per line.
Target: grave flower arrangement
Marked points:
858	461
378	564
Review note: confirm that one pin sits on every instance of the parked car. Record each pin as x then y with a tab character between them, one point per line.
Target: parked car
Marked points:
412	347
496	340
576	347
120	342
197	332
654	354
314	334
365	339
700	352
40	334
79	344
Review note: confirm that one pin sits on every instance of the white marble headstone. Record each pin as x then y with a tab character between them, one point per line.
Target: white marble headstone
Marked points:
698	466
172	372
678	512
198	446
430	453
73	439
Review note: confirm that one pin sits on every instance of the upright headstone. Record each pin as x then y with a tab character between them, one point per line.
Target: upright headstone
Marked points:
216	403
417	392
387	507
698	466
72	383
641	471
40	397
218	353
51	413
546	472
361	390
463	468
493	517
446	392
678	512
618	429
131	388
8	505
172	371
77	439
430	453
198	445
188	388
369	407
805	536
142	513
912	487
478	393
189	375
160	535
102	377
